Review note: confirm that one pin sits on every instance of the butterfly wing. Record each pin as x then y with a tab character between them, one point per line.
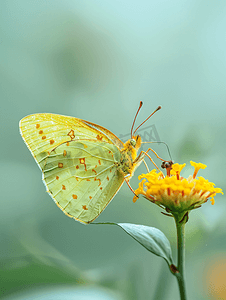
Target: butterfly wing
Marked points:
82	177
79	161
43	132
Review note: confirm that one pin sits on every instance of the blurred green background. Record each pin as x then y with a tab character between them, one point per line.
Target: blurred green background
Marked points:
96	60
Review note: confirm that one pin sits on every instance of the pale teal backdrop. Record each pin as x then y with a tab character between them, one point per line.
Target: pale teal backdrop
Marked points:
96	60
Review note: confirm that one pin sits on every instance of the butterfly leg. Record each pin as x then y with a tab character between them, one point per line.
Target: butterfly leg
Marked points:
146	165
127	181
149	149
146	153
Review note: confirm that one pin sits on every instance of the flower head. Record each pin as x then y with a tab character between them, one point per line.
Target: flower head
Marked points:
177	194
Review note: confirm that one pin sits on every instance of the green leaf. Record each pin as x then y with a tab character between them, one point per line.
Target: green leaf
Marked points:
153	239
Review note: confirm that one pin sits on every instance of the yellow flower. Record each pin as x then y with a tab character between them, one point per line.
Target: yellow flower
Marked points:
176	169
197	167
177	194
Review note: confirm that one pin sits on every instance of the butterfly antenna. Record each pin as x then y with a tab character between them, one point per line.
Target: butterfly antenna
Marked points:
141	103
158	108
160	142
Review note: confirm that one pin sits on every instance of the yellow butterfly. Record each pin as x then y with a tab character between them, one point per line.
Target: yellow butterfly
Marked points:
83	164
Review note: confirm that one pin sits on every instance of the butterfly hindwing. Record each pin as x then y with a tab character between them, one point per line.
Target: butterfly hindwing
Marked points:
82	177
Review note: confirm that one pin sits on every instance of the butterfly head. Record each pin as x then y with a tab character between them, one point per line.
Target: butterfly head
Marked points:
133	145
136	142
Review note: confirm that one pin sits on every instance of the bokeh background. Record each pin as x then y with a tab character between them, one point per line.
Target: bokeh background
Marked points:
96	60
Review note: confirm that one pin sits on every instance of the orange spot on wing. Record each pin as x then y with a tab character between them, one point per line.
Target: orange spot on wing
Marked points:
77	178
60	165
63	187
67	144
107	178
87	179
77	167
99	162
90	197
99	137
85	146
82	162
44	137
101	188
74	196
94	171
64	153
110	170
95	166
51	142
71	134
111	153
41	132
57	177
97	179
37	126
84	207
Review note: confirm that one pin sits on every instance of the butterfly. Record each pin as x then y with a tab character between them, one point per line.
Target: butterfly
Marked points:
83	164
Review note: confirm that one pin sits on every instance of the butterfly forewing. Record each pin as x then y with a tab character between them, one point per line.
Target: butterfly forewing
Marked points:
82	177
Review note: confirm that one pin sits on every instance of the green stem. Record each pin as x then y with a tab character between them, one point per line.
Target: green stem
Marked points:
181	258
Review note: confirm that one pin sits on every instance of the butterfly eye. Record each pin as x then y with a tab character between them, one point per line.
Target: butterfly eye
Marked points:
133	142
